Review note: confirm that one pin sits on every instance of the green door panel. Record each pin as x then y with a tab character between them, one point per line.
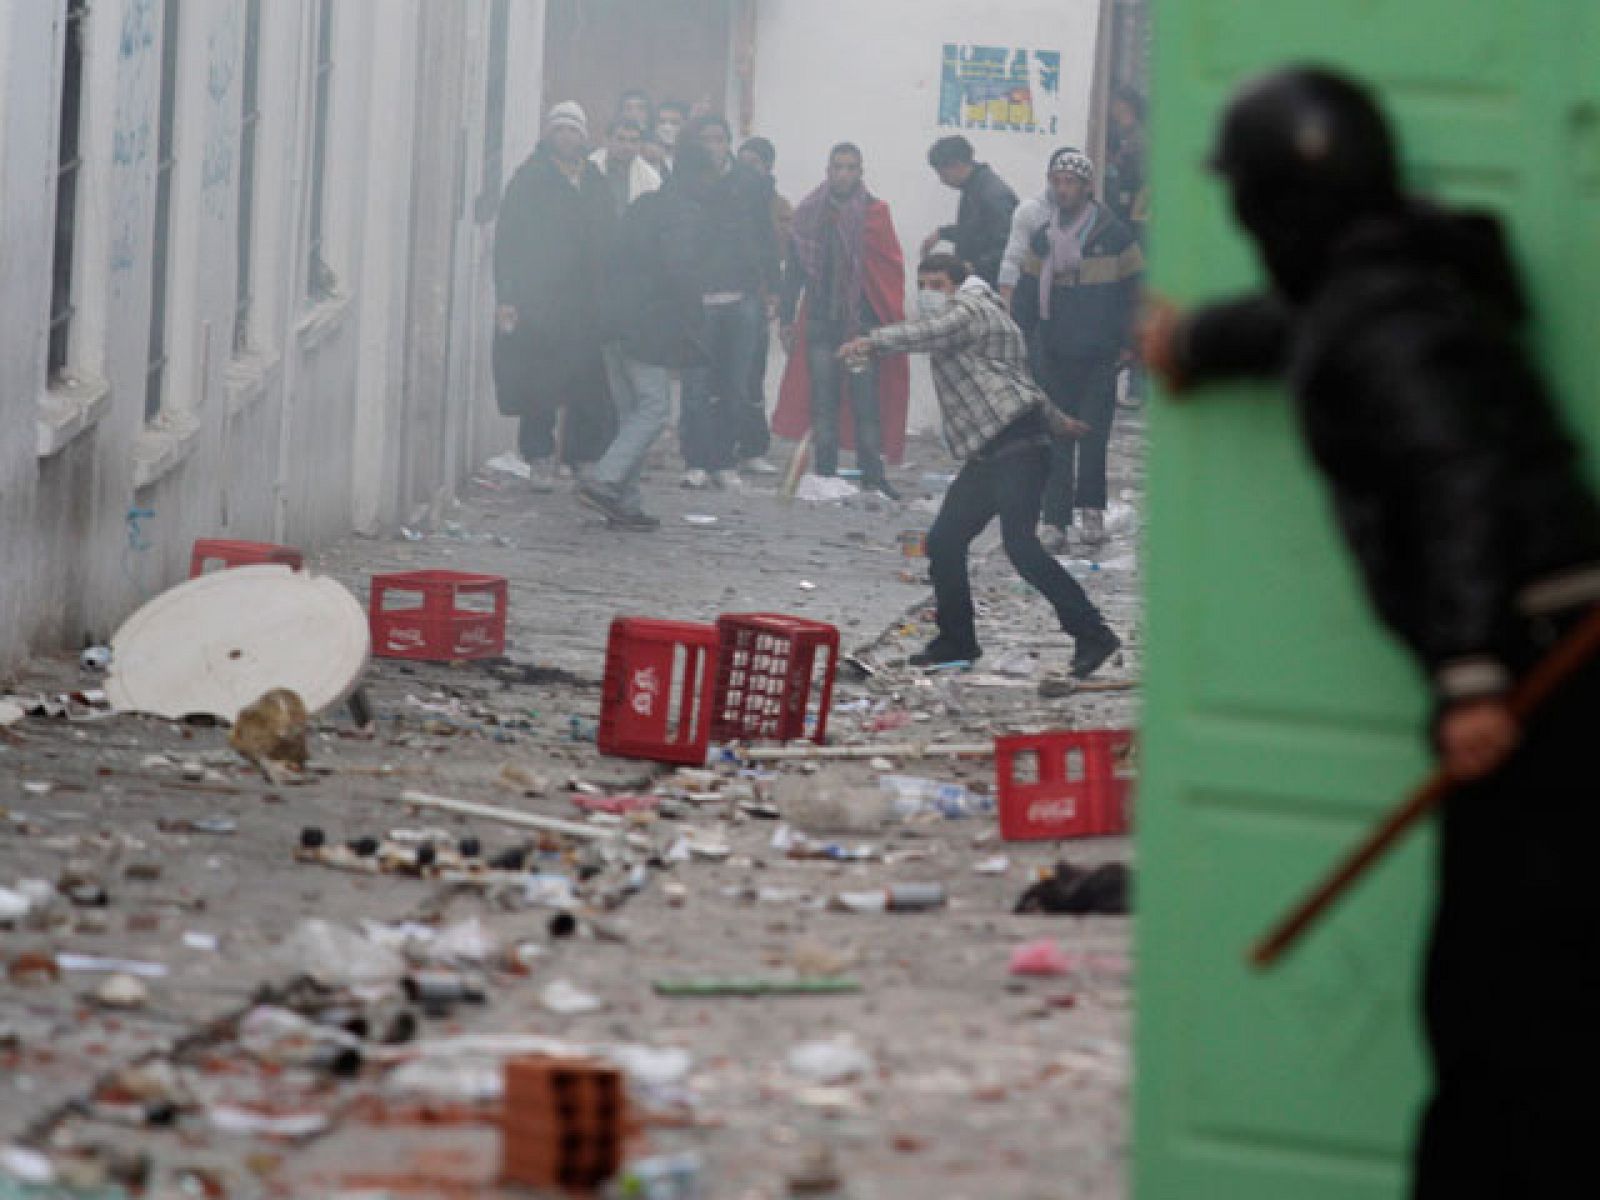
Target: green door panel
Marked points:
1280	721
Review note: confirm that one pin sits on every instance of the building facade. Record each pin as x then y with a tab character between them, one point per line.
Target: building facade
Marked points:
245	284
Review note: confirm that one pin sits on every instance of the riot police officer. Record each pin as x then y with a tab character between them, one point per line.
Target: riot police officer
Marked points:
1397	325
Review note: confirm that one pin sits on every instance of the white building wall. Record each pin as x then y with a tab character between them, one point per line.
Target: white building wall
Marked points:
30	42
829	71
294	434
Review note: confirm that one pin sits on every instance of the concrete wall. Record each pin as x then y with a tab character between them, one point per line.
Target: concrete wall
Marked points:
294	428
828	71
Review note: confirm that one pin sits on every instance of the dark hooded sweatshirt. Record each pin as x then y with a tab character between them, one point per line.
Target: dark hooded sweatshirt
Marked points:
1452	477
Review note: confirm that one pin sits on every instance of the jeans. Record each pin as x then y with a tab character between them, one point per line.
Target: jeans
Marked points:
1008	486
642	394
754	436
1086	389
823	339
716	397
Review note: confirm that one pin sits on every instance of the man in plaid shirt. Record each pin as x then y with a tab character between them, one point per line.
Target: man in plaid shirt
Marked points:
995	420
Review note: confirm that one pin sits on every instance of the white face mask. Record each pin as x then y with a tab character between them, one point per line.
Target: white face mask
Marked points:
931	303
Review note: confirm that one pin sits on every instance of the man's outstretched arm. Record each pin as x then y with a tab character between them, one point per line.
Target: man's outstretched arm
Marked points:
1243	338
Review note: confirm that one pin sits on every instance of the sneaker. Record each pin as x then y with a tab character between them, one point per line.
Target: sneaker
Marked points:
1054	539
939	653
758	466
1092	651
727	480
882	487
634	520
541	475
696	480
602	498
1094	527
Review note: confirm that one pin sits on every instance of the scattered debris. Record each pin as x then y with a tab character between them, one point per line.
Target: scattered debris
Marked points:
271	733
1044	957
1069	890
834	1060
506	816
122	991
219	642
567	1000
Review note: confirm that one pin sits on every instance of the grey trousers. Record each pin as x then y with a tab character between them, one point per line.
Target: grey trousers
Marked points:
642	395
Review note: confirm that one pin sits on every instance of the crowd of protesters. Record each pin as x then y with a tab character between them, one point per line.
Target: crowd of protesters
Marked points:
667	252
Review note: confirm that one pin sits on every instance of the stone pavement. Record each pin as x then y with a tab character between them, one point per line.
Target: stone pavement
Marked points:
944	1076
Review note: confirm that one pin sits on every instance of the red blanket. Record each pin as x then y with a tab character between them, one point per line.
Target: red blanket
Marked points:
886	292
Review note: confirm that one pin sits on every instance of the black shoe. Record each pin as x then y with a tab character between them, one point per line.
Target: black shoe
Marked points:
942	654
882	487
1092	651
634	520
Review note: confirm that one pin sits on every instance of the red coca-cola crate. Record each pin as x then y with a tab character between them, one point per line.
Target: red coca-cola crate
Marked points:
438	616
775	677
1064	784
208	551
657	699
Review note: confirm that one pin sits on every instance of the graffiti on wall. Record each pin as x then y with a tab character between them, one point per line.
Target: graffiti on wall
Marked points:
133	140
222	67
1001	88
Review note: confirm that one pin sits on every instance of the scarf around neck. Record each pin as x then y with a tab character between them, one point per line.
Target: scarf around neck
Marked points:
1066	252
821	216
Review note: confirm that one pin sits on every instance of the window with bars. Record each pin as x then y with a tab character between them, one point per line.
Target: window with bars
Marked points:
249	133
320	280
68	164
156	372
494	115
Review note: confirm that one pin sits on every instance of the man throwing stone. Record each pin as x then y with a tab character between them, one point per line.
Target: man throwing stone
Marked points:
995	418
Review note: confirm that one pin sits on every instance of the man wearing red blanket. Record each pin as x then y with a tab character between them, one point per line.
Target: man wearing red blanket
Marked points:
847	264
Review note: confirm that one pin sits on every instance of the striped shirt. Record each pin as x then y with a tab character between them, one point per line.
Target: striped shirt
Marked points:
980	366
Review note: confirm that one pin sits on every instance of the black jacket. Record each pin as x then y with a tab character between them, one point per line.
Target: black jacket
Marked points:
550	251
743	257
983	222
657	278
1452	477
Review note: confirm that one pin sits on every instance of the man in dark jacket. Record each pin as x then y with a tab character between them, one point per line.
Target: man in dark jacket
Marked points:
983	221
722	420
655	293
555	226
1398	328
1071	275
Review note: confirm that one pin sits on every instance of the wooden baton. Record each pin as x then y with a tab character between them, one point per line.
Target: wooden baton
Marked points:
1531	694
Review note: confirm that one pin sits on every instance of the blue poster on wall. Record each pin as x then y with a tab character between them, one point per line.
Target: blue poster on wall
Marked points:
1000	88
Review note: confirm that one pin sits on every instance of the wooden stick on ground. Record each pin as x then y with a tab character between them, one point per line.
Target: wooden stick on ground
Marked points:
506	816
1574	652
798	462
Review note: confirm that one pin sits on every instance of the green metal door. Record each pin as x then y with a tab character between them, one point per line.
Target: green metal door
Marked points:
1279	720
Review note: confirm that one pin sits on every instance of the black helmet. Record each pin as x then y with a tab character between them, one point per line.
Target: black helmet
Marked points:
1306	128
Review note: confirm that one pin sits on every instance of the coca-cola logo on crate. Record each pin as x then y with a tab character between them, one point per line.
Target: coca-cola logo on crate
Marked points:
1061	808
646	690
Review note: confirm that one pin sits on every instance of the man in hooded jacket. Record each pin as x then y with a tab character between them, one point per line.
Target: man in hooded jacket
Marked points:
1398	328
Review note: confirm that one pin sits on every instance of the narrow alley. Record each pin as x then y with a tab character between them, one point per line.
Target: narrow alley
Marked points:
936	1071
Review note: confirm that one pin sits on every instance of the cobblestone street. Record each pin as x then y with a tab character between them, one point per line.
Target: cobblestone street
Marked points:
944	1076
